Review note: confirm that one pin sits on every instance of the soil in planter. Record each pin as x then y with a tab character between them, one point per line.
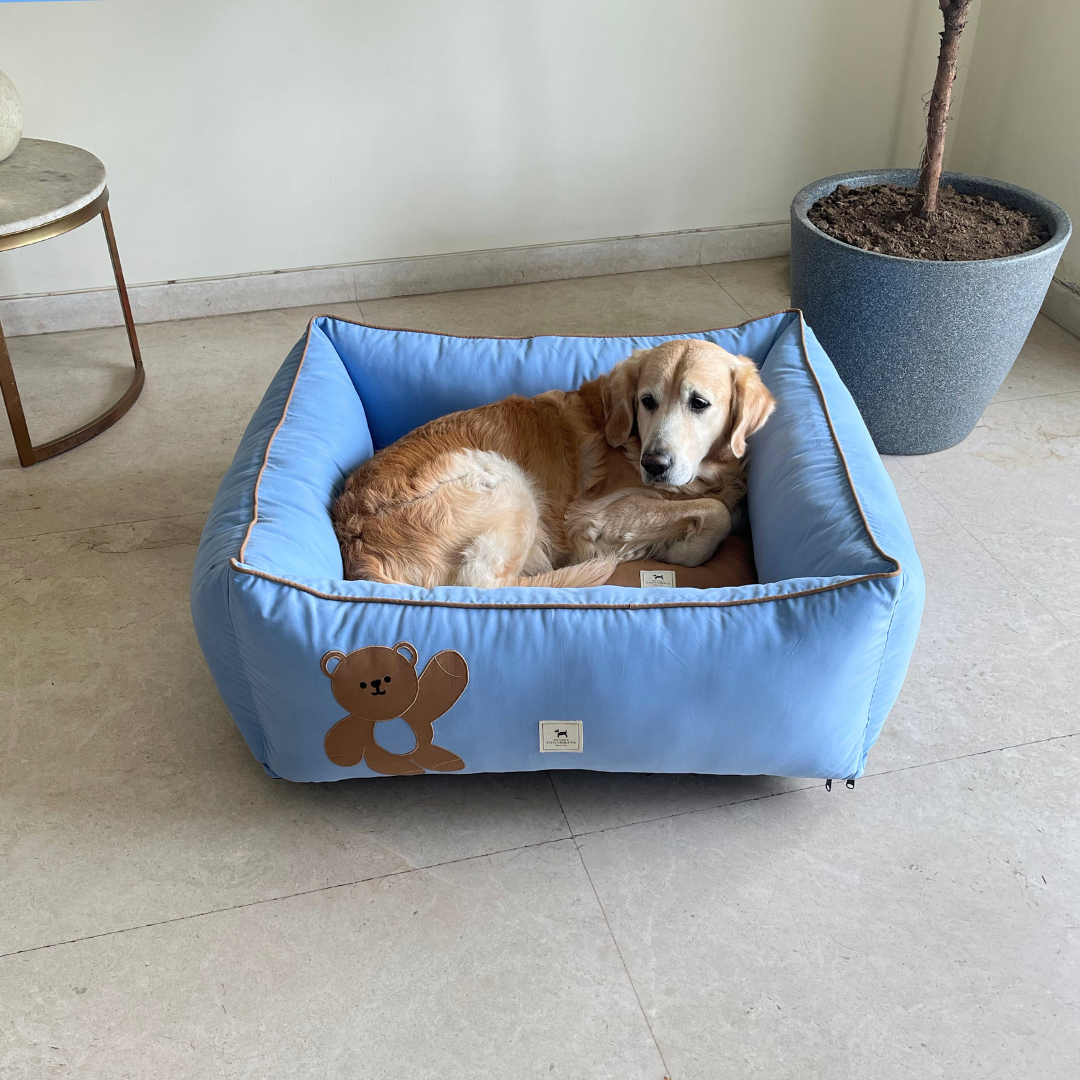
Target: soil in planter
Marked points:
966	227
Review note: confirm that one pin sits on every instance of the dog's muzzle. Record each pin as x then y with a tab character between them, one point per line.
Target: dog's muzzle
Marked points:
656	464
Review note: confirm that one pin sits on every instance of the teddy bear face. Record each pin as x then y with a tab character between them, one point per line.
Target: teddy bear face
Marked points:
375	683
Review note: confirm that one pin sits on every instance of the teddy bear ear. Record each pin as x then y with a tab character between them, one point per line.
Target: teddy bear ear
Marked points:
413	654
333	654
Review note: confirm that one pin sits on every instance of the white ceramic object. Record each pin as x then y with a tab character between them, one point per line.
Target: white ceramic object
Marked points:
11	117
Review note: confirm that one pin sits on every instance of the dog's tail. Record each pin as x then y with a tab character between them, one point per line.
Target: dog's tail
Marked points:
582	575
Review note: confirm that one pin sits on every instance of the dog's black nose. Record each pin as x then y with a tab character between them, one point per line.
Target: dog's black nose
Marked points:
656	464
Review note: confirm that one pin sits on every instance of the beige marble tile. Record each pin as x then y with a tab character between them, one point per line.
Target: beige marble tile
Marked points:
761	286
651	302
181	300
492	968
1014	483
321	286
127	796
204	378
924	924
516	266
752	242
991	668
595	800
1049	363
279	326
67	379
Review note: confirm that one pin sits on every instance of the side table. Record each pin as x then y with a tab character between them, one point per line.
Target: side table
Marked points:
46	189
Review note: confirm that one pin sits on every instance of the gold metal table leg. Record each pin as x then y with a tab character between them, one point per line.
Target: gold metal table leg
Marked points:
29	454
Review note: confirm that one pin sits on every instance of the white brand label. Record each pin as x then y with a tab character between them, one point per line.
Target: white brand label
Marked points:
563	736
658	579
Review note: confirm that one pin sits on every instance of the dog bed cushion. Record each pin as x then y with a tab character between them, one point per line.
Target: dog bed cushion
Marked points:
328	678
731	565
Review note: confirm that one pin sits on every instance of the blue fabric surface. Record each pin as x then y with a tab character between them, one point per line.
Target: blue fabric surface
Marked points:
791	677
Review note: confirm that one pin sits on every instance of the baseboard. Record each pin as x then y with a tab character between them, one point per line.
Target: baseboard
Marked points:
1062	304
158	301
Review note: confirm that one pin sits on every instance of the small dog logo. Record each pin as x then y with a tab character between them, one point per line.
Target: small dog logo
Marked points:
658	579
560	737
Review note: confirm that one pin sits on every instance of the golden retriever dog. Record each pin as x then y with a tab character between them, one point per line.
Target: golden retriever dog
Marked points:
556	490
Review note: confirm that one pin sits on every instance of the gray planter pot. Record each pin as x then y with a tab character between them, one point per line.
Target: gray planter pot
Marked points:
922	346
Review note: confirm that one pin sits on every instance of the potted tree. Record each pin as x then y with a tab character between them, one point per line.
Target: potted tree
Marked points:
922	285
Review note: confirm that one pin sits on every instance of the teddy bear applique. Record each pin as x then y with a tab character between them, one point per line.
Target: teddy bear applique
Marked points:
376	684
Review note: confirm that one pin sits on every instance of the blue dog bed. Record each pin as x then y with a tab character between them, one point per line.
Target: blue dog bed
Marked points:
793	676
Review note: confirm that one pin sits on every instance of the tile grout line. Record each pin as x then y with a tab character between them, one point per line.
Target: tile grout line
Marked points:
724	291
1022	584
1034	397
705	809
974	754
711	278
284	896
525	847
607	923
108	525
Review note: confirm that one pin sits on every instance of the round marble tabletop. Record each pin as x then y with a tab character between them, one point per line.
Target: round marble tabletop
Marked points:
43	181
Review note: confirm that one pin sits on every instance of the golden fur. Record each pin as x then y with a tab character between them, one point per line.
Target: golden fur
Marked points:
558	489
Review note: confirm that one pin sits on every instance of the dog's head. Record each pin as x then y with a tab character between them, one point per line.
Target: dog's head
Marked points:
693	405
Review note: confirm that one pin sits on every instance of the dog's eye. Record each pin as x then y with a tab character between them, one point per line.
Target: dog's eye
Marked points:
698	403
363	686
386	678
648	401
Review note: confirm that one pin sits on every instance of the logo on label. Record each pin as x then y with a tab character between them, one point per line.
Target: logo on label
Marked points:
658	579
563	736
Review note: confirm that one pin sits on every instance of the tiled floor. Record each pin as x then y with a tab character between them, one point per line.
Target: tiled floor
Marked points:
166	910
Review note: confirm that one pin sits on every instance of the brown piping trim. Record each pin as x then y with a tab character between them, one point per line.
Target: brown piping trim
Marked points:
526	337
236	563
840	450
270	443
403	602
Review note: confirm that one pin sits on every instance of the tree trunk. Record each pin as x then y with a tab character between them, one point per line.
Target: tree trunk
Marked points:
955	13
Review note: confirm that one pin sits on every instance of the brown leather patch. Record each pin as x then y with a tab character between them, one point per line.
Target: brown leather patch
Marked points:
378	683
731	566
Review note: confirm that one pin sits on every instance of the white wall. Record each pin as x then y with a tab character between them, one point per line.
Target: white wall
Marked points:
253	135
1021	117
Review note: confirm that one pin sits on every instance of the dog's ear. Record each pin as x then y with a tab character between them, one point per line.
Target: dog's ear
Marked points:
619	393
751	404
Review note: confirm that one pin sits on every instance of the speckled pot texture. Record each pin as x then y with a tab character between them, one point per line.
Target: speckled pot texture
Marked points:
922	346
